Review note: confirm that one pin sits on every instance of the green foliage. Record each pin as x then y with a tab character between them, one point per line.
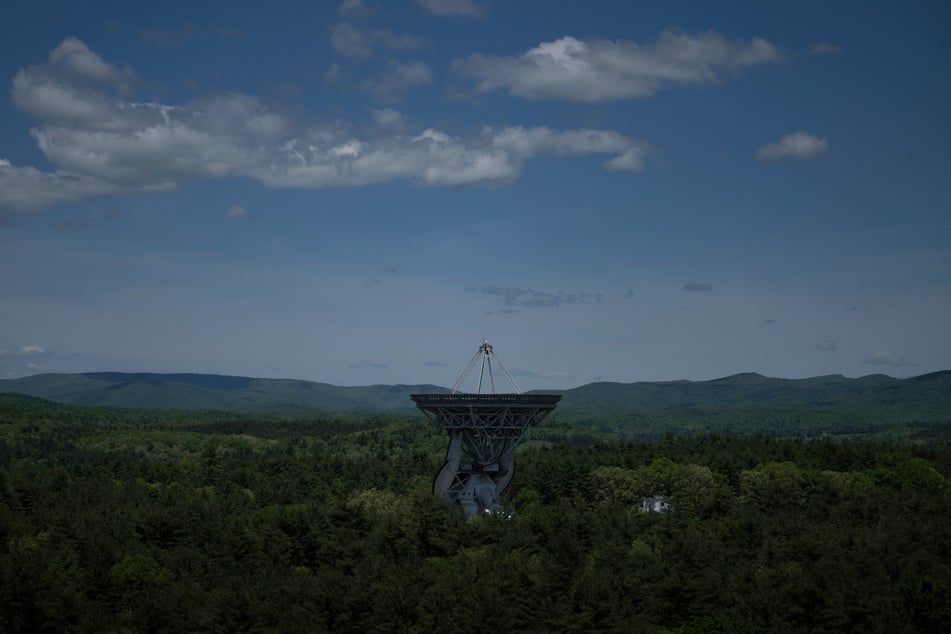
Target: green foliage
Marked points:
127	520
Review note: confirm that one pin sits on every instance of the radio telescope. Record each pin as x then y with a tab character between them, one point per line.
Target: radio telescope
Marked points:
483	429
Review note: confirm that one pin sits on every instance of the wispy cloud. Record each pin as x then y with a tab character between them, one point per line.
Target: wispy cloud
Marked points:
888	358
236	212
28	351
529	298
798	145
453	8
397	78
827	346
698	287
824	48
354	9
364	364
595	71
356	42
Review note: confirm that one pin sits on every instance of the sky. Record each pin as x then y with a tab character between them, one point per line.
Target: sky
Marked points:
362	192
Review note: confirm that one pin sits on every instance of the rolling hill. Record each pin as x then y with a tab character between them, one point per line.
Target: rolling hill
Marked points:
210	392
926	397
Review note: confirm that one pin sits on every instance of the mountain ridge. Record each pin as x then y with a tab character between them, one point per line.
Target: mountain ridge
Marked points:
926	395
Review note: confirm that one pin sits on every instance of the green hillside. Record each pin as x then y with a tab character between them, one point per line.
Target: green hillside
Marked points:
210	392
743	403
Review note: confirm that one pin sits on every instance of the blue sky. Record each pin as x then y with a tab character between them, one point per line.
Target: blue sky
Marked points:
362	192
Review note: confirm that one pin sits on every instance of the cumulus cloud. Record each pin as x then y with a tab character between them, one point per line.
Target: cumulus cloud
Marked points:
453	8
888	358
101	143
603	70
363	364
351	41
28	190
827	346
29	351
528	298
698	287
800	145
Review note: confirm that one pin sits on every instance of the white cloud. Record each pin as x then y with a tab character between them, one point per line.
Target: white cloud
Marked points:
102	144
352	41
453	8
800	145
888	358
29	190
389	119
75	57
602	70
236	212
29	351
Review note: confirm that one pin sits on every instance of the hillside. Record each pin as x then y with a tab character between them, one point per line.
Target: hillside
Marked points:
878	397
210	392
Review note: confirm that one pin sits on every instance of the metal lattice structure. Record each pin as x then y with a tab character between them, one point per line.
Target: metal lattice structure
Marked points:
484	430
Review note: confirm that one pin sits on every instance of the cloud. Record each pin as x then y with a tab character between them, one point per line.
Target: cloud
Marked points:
363	364
236	212
354	9
827	346
397	78
595	71
888	358
698	287
629	293
800	145
29	351
769	321
453	8
355	42
824	48
28	190
528	298
435	364
101	143
389	119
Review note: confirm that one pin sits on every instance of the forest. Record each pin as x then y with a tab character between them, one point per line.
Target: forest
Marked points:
124	520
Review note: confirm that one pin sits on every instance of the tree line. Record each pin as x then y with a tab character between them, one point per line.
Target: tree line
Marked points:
123	520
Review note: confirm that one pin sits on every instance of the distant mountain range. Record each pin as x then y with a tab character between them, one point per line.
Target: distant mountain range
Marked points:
924	397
